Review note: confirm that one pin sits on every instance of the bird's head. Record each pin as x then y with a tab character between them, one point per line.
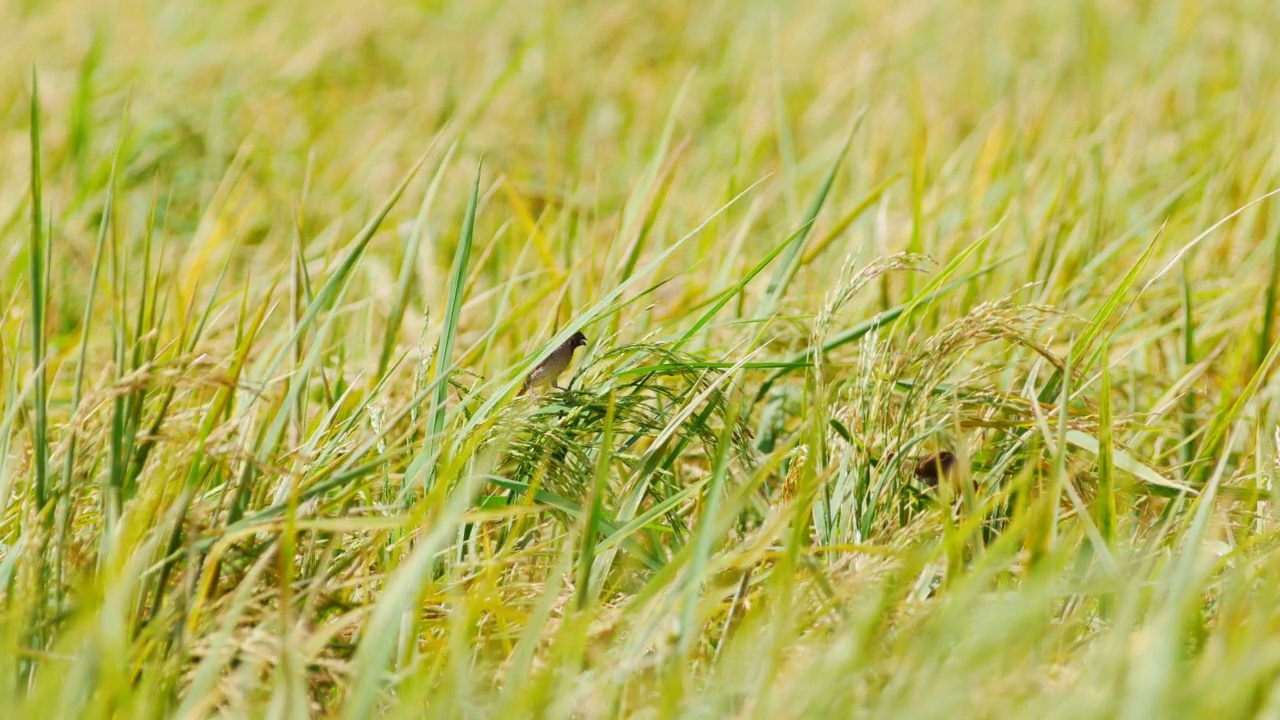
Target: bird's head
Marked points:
577	340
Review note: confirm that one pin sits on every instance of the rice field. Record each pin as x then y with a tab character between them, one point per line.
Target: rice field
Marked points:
930	363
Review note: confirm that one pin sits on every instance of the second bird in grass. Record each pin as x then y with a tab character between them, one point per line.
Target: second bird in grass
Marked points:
549	370
932	468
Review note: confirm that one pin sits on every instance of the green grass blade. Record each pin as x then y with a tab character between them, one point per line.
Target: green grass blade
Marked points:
378	637
449	326
1098	323
738	287
591	515
636	219
1269	302
14	402
696	570
1186	450
1106	501
408	264
1221	423
39	302
790	261
338	277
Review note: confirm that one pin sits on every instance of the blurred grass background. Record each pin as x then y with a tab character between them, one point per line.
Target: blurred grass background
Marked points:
260	454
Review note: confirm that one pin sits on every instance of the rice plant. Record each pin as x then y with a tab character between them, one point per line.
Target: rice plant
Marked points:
930	366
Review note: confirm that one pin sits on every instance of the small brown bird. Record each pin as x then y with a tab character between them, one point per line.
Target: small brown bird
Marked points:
549	370
932	468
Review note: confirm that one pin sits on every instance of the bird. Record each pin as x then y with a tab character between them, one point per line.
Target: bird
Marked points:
549	370
934	467
931	468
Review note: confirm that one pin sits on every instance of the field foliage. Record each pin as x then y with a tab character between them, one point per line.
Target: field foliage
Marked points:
272	275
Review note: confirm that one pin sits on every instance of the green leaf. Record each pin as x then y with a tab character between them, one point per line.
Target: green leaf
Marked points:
449	327
790	261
